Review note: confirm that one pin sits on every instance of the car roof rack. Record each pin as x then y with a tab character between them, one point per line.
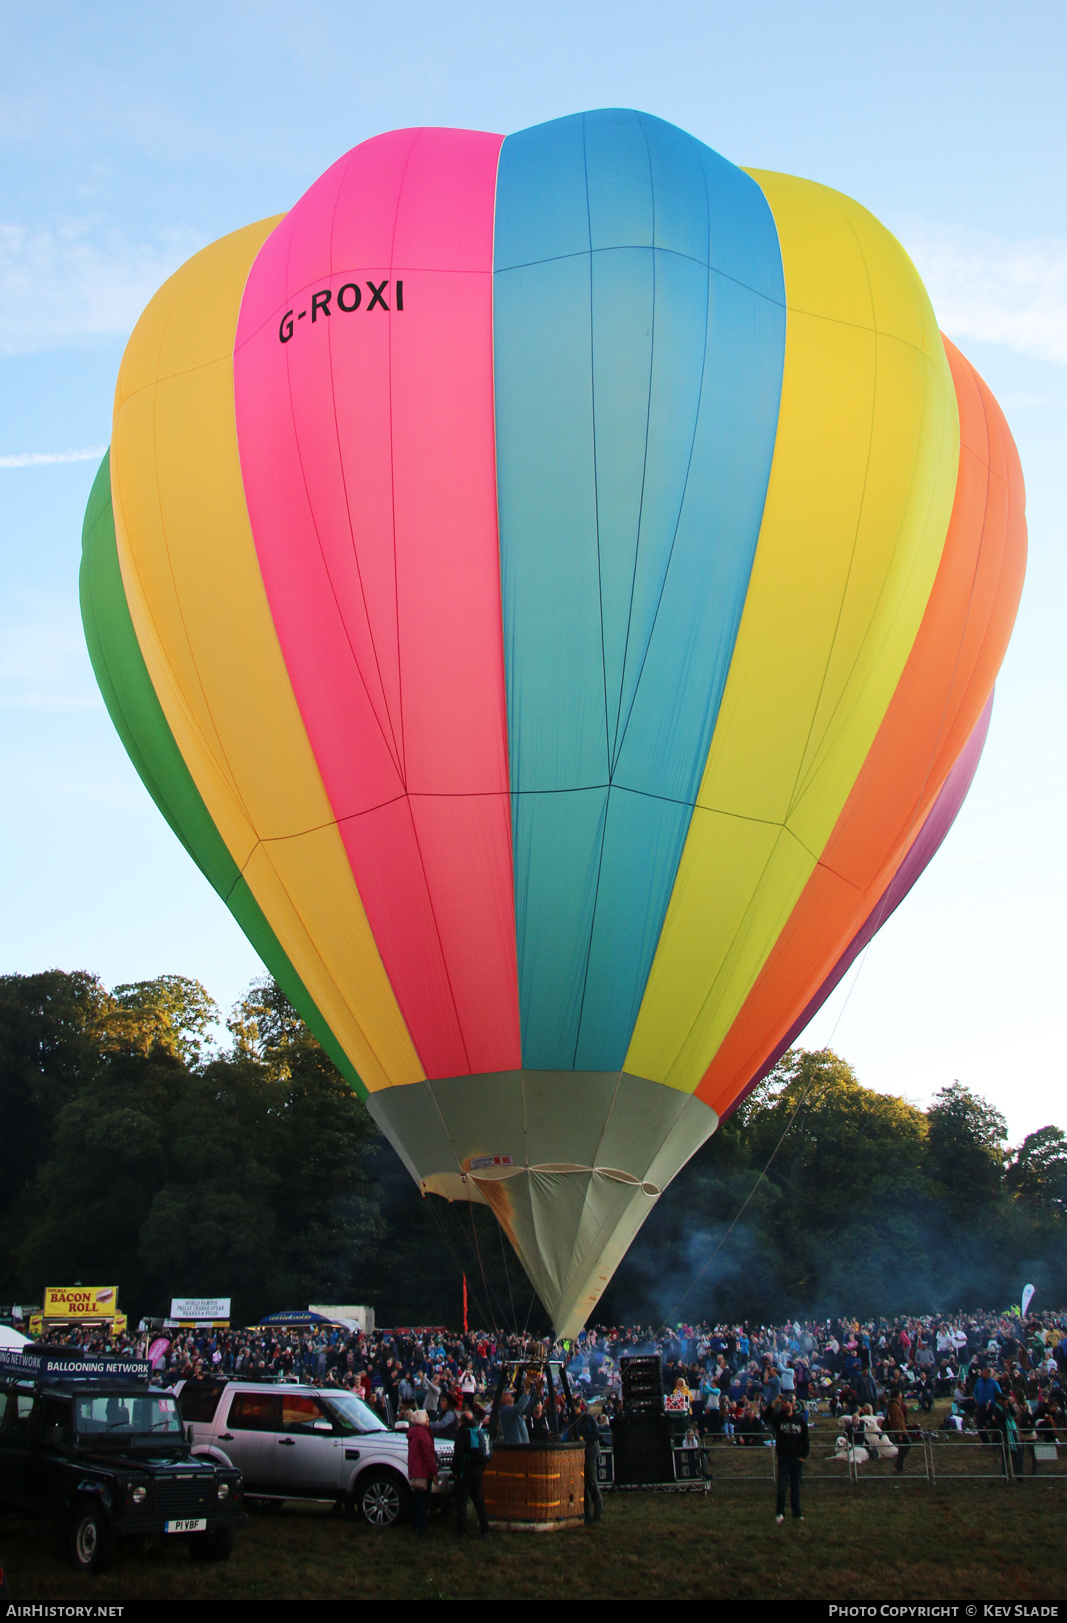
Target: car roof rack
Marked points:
234	1380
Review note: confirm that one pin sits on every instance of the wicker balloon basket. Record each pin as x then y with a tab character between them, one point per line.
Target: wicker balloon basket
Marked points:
535	1488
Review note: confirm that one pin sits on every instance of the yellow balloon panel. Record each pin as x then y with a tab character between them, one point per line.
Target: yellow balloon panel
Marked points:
200	612
857	509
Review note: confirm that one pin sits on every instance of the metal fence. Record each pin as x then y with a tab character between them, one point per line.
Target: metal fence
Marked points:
962	1456
827	1464
938	1457
1040	1456
729	1459
944	1457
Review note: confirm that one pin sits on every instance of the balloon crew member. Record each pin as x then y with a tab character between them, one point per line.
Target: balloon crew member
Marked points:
538	1424
469	1457
586	1429
792	1446
511	1416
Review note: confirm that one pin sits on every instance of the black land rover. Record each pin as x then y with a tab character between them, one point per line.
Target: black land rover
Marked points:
88	1442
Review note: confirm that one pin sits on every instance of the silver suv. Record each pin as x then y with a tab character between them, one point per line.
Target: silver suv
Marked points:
305	1442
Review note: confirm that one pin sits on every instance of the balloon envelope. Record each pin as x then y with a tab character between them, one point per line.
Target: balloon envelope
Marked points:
547	582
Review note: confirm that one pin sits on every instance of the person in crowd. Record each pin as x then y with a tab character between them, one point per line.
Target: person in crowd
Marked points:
748	1427
447	1419
987	1396
1047	1421
897	1426
924	1391
792	1445
713	1415
772	1386
866	1389
1006	1420
422	1468
682	1395
429	1363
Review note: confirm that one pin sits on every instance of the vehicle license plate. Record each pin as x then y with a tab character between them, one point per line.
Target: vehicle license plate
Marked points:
187	1524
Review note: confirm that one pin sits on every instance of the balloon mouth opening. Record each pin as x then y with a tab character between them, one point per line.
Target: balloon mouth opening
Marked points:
495	1139
480	1176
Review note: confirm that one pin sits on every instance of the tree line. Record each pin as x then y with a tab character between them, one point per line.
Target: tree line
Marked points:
136	1150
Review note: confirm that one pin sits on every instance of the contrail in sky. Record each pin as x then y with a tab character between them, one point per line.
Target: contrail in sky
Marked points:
39	459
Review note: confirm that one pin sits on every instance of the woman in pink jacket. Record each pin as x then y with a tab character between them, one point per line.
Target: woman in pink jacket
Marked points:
422	1468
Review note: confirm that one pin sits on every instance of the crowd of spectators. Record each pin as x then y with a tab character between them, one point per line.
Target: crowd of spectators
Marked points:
997	1373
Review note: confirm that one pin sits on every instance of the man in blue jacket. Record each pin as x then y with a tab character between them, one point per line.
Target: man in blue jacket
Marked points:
986	1398
511	1420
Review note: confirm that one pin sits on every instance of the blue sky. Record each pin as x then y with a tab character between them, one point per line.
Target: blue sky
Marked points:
130	135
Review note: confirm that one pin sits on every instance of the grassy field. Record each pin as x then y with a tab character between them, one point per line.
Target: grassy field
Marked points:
886	1543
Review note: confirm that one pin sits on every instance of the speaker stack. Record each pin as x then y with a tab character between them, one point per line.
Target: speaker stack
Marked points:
642	1384
641	1435
642	1448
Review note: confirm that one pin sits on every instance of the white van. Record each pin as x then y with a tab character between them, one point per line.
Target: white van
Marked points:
305	1442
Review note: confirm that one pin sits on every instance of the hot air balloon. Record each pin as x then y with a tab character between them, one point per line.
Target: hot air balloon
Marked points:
553	585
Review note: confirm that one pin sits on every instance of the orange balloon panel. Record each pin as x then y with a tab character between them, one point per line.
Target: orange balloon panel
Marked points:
936	707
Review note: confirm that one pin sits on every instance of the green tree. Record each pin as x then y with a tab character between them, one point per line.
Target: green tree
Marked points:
833	1220
47	1040
130	1153
245	1176
966	1147
265	1027
696	1257
413	1250
79	1217
844	1141
1037	1170
846	1164
209	1226
189	1011
268	1198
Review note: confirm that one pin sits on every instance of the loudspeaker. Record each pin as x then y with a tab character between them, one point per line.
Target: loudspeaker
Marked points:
642	1384
642	1448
